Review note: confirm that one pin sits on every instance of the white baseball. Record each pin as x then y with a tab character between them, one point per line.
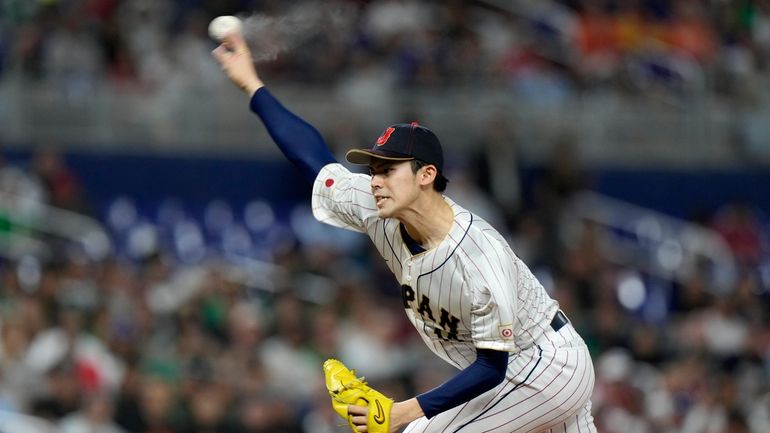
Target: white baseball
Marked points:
224	25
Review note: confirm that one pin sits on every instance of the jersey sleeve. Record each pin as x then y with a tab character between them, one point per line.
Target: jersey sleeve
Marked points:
343	199
493	317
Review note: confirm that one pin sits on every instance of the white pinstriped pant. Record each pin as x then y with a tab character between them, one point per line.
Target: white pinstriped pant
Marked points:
547	389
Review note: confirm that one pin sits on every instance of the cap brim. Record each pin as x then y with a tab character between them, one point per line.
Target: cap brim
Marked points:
365	156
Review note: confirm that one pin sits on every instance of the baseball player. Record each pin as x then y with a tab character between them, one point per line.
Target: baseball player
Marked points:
523	367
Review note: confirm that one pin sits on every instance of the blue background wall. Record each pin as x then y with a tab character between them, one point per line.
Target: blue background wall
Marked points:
197	180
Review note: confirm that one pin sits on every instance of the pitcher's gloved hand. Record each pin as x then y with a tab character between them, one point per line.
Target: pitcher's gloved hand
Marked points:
346	389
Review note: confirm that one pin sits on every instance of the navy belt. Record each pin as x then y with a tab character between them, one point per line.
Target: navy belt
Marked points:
559	320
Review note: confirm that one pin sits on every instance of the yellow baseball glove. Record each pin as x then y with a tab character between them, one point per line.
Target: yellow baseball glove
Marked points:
346	389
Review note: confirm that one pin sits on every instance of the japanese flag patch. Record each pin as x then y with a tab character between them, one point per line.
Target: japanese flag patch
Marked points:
506	332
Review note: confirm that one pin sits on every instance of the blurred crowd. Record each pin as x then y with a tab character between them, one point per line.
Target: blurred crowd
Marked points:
549	49
156	343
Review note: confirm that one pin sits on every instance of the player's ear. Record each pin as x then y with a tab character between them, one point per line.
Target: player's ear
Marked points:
428	174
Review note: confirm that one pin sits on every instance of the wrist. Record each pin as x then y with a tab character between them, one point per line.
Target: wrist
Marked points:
404	412
251	87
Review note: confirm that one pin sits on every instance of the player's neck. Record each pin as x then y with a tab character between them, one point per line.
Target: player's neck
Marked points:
429	221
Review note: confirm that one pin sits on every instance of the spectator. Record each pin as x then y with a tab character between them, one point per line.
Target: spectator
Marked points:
62	186
96	417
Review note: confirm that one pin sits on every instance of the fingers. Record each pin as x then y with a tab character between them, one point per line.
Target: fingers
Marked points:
232	45
358	416
358	419
220	53
358	410
235	42
225	57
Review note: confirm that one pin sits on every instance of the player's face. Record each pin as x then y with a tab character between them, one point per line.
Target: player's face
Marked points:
394	186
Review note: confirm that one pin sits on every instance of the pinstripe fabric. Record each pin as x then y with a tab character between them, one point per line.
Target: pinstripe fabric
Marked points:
470	292
547	388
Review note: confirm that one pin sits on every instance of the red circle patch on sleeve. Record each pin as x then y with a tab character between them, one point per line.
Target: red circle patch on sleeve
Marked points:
329	182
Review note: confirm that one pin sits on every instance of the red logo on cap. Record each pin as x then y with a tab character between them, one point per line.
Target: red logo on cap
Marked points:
384	137
329	182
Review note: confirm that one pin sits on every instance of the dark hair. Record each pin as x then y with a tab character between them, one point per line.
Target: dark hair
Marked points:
439	184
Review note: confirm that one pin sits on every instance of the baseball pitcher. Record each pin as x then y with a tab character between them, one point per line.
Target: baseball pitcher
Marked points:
522	366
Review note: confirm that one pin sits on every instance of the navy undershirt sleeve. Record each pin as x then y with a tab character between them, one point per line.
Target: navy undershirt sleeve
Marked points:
297	139
486	372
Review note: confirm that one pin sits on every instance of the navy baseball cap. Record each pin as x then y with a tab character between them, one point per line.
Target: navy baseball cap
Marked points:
402	142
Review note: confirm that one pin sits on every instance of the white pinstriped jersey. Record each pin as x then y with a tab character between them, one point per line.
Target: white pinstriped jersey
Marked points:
469	292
